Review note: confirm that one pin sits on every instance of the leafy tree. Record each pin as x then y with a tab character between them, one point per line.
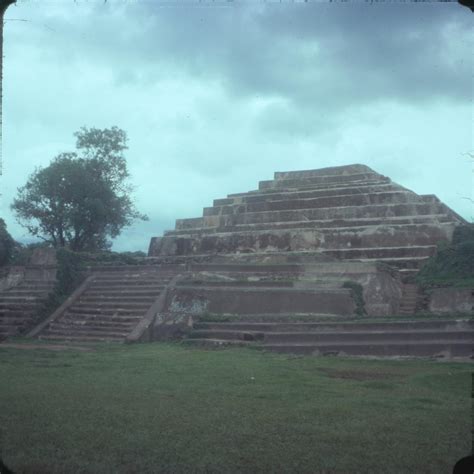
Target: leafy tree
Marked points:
7	244
80	200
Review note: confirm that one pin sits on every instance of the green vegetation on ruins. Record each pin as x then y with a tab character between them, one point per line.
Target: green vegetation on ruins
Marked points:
7	244
453	264
154	408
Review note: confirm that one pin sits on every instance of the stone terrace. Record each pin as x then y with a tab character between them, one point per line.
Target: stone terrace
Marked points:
347	213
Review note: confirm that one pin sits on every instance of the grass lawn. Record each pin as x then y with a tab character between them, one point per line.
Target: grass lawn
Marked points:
167	408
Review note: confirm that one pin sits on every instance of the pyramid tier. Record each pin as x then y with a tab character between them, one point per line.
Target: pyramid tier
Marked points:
347	212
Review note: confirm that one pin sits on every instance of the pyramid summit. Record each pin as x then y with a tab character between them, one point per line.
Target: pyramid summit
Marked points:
343	213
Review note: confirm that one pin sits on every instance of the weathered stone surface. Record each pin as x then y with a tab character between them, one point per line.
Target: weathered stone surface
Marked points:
348	212
452	300
11	276
253	300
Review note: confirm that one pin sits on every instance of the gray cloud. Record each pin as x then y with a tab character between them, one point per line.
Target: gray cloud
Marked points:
216	98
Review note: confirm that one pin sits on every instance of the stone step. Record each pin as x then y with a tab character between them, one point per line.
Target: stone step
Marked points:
335	236
75	330
314	214
321	182
227	335
317	224
100	318
18	300
24	319
344	170
132	310
391	197
38	282
79	338
366	327
440	348
216	342
94	323
131	281
23	305
125	292
238	283
409	300
20	292
305	186
116	300
366	337
334	337
293	194
384	254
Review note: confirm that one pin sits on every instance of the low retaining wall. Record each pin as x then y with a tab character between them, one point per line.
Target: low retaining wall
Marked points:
451	300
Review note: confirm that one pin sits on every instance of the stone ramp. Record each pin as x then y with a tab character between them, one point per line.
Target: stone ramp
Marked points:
19	305
108	306
346	212
437	338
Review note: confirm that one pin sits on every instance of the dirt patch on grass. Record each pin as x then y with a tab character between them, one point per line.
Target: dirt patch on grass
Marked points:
360	375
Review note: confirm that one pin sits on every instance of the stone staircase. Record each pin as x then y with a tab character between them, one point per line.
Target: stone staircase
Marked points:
110	305
348	213
441	338
410	299
19	305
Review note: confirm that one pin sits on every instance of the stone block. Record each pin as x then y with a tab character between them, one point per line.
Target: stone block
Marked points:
198	301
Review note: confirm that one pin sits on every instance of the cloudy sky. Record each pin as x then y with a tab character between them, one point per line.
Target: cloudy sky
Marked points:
216	96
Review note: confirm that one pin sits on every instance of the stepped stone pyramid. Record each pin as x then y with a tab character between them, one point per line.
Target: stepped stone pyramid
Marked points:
345	213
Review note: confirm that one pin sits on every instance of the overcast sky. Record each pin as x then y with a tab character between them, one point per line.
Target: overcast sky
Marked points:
216	96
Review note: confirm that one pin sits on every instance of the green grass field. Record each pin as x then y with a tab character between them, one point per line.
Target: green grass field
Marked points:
167	408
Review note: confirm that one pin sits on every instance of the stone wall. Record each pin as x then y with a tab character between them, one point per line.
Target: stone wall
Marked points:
451	300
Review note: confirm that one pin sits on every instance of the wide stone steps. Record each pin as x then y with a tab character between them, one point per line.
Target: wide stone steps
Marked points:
288	324
125	292
317	182
110	310
110	307
314	214
392	197
21	293
294	194
117	299
104	324
318	224
80	338
77	330
119	317
240	283
313	187
451	338
389	254
19	305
